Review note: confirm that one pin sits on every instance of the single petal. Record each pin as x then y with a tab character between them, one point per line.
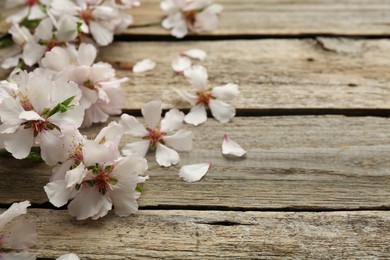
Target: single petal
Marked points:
21	236
94	114
173	120
93	153
73	117
168	6
44	31
144	65
59	171
132	127
67	28
180	29
172	19
16	209
36	13
88	203
222	111
70	256
181	141
57	59
100	34
9	112
196	116
51	151
152	113
196	54
180	63
18	16
11	62
58	193
166	156
30	115
228	91
86	54
194	172
111	133
229	147
197	76
190	98
76	175
33	52
140	148
19	143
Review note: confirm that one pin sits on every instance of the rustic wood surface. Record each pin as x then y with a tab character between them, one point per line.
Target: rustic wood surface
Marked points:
329	162
310	186
185	234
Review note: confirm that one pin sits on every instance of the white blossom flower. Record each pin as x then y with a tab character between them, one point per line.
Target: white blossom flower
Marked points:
47	35
144	65
231	148
29	9
207	97
99	18
102	94
155	135
36	114
70	256
182	61
194	172
190	15
20	236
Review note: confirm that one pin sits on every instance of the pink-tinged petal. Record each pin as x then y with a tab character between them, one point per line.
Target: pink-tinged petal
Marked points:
33	52
88	203
230	147
51	151
180	29
173	120
86	54
44	31
62	90
36	13
94	114
70	256
166	156
207	20
9	112
14	211
19	143
30	115
93	153
196	54
132	127
152	113
181	141
190	98
169	22
104	12
196	116
76	175
58	193
106	205
67	28
57	59
228	91
101	72
100	34
197	76
180	63
18	16
58	172
194	172
73	117
144	65
111	133
18	256
124	202
222	111
21	236
11	62
140	148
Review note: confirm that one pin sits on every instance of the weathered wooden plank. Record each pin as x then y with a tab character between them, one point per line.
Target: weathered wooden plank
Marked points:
279	17
326	162
215	234
323	73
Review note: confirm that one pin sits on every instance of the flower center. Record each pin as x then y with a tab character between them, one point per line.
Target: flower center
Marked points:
31	2
155	136
26	104
86	15
89	84
204	97
189	16
39	126
102	177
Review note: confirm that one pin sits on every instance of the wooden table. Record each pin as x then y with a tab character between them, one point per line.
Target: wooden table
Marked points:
313	115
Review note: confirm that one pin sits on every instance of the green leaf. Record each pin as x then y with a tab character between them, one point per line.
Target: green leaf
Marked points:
30	24
138	189
35	155
61	107
6	40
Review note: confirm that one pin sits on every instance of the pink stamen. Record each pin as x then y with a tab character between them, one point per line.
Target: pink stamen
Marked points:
31	2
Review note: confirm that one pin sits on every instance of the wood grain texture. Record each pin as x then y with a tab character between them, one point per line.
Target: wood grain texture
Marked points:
327	162
272	74
277	17
214	234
